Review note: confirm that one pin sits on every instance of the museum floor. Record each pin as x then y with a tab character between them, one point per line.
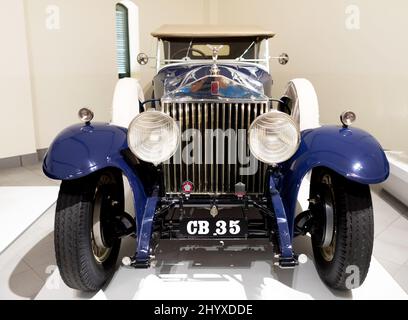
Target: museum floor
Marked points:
187	270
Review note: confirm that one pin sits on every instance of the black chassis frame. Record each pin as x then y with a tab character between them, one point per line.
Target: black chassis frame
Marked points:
166	219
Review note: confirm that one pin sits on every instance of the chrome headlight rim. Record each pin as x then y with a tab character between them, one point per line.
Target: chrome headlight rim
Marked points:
290	121
164	116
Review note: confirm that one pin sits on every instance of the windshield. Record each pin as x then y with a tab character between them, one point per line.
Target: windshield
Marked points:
183	49
201	49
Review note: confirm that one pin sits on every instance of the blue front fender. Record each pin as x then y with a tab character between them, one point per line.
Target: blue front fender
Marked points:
81	149
351	152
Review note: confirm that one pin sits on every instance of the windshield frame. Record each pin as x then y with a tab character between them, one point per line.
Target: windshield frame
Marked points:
262	60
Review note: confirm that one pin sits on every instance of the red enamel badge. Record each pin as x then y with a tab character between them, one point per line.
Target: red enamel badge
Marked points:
215	87
187	187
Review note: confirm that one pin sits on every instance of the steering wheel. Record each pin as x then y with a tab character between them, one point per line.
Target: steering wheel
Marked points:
187	50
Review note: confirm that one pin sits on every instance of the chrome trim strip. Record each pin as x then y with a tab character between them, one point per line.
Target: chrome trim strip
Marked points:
223	100
255	109
217	110
212	148
201	153
243	149
174	159
194	141
226	62
186	112
165	173
248	152
229	139
224	163
181	142
236	130
205	145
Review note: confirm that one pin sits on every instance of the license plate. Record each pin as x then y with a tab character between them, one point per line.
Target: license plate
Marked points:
214	228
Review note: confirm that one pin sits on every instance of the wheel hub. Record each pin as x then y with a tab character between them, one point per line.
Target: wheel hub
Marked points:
324	215
101	246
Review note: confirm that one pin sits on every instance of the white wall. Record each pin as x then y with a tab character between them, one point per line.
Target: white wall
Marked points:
155	13
72	66
365	70
16	128
75	66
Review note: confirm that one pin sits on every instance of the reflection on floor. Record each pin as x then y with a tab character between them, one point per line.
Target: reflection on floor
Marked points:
28	261
241	270
186	270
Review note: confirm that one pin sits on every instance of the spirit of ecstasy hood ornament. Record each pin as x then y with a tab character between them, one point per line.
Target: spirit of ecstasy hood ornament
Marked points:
215	50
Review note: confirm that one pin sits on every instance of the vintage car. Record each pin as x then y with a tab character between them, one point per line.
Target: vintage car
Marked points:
213	156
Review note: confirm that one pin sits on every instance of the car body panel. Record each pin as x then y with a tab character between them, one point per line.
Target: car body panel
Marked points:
351	152
80	150
171	76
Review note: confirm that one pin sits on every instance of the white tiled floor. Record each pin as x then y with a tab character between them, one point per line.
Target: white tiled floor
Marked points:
237	270
29	261
391	235
20	207
25	176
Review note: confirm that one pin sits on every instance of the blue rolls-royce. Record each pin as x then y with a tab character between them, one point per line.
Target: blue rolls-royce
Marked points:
213	156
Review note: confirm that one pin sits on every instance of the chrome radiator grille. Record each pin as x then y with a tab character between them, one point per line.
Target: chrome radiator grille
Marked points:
212	177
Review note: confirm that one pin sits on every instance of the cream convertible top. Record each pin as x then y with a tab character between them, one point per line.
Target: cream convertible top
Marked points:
209	31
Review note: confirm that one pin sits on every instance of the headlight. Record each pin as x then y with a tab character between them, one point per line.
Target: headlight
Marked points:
153	136
274	137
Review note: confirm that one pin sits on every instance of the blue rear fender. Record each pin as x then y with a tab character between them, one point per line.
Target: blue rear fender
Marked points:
351	152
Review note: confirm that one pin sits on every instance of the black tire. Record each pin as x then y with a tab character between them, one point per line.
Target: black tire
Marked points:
344	264
78	265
